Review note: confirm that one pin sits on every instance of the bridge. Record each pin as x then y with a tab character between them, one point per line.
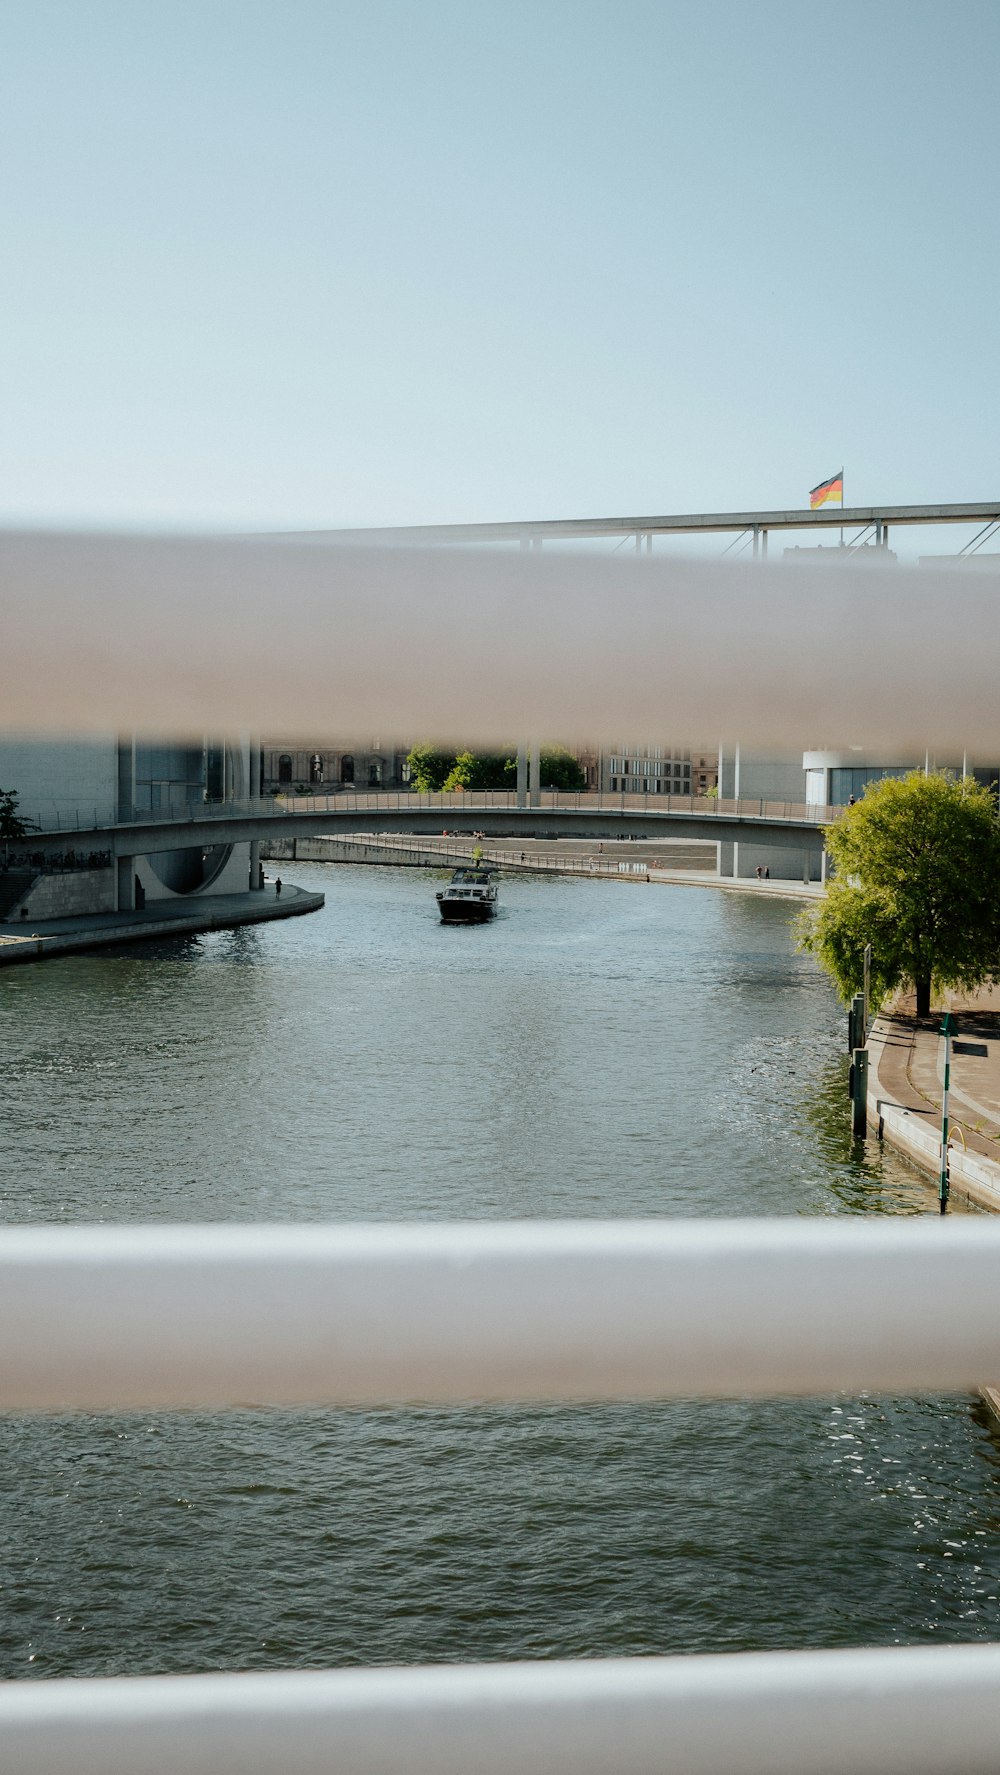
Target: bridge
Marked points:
870	523
783	825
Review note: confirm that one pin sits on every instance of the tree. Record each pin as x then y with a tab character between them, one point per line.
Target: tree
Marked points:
13	824
560	770
480	771
918	877
432	769
428	767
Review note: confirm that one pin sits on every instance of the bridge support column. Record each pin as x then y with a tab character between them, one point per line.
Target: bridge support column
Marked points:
253	790
535	776
126	776
125	890
522	776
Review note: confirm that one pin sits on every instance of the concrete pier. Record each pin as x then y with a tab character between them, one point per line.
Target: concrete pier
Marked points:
165	918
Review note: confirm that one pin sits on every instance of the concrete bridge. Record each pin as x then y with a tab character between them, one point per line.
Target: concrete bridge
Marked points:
791	830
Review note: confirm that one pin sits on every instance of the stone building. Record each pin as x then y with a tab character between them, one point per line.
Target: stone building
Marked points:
323	766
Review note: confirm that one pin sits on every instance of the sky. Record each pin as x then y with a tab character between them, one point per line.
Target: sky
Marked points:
364	262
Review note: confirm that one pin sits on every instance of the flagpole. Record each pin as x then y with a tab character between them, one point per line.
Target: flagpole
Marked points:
841	508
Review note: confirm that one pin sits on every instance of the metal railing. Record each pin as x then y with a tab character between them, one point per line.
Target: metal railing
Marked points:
95	1318
516	862
578	801
369	801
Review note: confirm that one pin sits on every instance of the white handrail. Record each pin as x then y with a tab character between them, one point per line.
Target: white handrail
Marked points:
177	636
102	1317
903	1711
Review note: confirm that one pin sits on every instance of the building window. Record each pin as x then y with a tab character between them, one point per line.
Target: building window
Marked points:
347	768
284	768
374	774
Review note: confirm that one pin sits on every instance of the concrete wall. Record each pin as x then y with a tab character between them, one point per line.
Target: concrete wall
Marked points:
232	878
763	779
785	863
343	850
78	892
63	782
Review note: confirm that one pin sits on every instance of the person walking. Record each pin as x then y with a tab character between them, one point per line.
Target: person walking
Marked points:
277	887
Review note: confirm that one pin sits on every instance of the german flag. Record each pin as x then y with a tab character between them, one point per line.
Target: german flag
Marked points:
831	489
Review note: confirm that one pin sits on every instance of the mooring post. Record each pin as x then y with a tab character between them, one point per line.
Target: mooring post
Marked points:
859	1108
858	1032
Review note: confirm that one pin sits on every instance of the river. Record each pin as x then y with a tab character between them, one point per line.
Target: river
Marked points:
602	1048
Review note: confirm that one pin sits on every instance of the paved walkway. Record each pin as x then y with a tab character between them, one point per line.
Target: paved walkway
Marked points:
164	918
907	1077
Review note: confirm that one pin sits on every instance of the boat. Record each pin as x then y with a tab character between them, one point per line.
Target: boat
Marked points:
470	897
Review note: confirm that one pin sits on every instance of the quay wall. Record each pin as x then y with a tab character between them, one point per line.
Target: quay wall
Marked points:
972	1176
345	850
180	918
79	892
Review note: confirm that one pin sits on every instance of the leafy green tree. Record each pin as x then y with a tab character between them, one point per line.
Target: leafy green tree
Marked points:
13	824
918	877
432	769
560	770
429	767
480	771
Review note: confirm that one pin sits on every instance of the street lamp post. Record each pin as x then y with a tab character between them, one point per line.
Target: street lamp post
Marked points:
946	1030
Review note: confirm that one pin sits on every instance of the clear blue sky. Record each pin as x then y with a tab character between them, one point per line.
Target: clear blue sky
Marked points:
318	263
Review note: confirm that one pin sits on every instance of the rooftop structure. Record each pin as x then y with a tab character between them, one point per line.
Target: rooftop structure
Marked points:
538	530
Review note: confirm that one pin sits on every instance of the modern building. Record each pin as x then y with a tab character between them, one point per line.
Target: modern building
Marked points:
69	786
814	779
638	768
834	779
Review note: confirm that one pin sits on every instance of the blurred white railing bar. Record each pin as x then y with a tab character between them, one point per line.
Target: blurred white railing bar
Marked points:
182	636
903	1711
214	1316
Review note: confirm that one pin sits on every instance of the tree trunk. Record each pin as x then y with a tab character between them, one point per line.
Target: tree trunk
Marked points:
923	998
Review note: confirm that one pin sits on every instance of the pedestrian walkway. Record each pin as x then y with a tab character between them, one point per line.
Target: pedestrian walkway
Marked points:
672	861
164	918
906	1080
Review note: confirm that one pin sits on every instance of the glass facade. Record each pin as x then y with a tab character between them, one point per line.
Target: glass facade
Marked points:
853	780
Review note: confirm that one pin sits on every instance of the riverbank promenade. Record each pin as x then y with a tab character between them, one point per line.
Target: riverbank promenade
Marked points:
165	918
906	1081
667	861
